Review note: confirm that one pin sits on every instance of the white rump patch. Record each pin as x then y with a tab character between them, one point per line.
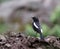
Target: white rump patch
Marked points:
41	31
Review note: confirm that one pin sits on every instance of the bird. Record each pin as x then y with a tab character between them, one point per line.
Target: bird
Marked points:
37	27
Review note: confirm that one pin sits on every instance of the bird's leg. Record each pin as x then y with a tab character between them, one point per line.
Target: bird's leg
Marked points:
41	36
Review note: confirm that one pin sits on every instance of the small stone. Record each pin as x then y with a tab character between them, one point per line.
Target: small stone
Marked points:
51	39
7	45
20	35
17	38
13	34
2	39
39	48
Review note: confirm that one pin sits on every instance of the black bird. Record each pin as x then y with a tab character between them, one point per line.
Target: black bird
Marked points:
36	26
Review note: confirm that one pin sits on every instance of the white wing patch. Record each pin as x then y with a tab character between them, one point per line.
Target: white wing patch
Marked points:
35	25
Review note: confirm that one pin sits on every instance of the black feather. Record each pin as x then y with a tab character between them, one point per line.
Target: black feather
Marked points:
38	30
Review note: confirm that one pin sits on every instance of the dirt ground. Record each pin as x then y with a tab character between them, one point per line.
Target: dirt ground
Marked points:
12	40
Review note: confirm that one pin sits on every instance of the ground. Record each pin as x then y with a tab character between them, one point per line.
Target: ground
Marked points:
12	40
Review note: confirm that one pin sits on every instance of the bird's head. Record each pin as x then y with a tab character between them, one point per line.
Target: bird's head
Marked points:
35	19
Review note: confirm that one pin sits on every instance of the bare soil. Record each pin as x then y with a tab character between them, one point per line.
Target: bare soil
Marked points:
13	40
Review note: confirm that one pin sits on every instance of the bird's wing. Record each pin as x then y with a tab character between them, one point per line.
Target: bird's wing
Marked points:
36	25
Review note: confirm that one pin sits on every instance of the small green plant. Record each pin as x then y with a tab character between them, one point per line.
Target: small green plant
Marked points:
55	19
3	28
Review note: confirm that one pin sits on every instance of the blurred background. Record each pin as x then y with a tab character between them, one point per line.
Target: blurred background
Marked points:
15	15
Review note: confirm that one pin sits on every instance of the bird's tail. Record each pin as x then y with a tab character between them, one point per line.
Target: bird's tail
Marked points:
41	36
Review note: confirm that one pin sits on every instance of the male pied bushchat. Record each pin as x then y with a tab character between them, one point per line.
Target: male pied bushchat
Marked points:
36	26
